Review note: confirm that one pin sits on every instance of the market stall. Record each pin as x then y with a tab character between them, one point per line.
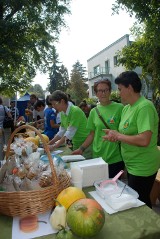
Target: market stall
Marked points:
134	223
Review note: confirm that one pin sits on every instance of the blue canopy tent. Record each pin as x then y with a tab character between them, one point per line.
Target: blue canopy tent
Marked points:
22	103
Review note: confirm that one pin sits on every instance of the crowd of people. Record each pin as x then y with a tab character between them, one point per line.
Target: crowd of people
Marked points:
123	134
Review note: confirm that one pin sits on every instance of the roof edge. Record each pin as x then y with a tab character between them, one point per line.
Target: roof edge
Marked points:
125	36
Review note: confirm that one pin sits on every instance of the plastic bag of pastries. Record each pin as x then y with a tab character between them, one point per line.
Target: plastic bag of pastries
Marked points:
33	172
26	185
16	183
8	184
45	179
3	172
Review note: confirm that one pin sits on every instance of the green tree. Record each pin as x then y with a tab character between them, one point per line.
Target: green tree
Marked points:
37	90
78	67
78	87
28	30
59	78
115	96
143	10
145	51
137	54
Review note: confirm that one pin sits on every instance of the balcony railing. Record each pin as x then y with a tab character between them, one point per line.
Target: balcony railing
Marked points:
101	71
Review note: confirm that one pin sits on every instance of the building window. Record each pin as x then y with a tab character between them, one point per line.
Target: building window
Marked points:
96	70
93	93
115	59
107	67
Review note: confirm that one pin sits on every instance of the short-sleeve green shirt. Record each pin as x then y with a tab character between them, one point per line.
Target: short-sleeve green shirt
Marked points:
77	119
111	113
136	119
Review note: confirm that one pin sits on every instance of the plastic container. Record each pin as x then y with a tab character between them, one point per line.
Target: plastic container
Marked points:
118	198
56	159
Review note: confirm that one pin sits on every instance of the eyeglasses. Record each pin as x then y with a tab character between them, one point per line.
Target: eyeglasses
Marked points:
102	91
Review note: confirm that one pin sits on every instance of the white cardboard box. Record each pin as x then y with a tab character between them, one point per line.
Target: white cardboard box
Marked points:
93	170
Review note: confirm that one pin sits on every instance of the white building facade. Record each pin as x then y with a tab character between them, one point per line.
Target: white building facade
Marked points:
104	64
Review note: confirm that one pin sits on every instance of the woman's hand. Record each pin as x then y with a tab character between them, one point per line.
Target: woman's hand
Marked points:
111	135
140	140
52	147
77	151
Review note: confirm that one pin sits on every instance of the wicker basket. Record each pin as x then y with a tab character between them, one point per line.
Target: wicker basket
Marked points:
23	203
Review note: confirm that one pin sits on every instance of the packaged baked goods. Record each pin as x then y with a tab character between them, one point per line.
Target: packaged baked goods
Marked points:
32	172
43	166
45	179
21	172
21	147
7	184
16	183
26	185
3	172
11	164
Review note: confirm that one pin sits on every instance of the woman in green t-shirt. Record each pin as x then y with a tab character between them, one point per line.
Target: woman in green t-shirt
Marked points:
73	123
111	113
138	132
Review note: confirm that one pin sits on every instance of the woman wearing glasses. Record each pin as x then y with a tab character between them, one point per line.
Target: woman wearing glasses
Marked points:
73	123
111	114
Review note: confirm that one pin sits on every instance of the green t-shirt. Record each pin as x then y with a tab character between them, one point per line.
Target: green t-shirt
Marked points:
76	118
136	119
109	151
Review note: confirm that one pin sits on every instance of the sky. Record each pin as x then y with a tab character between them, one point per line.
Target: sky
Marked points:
91	28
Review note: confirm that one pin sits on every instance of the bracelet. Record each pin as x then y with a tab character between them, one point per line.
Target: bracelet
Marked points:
82	148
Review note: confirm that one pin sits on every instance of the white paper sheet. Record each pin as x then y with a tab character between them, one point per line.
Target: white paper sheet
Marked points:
72	158
43	229
106	207
57	152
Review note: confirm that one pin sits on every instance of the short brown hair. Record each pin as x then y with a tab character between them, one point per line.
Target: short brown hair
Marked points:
58	95
33	96
102	81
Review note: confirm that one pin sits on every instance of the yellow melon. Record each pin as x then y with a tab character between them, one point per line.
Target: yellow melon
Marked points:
33	140
69	196
44	136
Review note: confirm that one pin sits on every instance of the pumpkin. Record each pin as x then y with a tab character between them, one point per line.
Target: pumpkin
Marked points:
70	195
33	140
85	217
45	137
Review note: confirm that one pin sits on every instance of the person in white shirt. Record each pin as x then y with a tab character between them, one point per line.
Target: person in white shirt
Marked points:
4	133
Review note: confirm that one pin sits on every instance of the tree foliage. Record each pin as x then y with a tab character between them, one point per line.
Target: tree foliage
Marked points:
37	90
59	78
78	87
28	30
145	51
142	9
78	67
